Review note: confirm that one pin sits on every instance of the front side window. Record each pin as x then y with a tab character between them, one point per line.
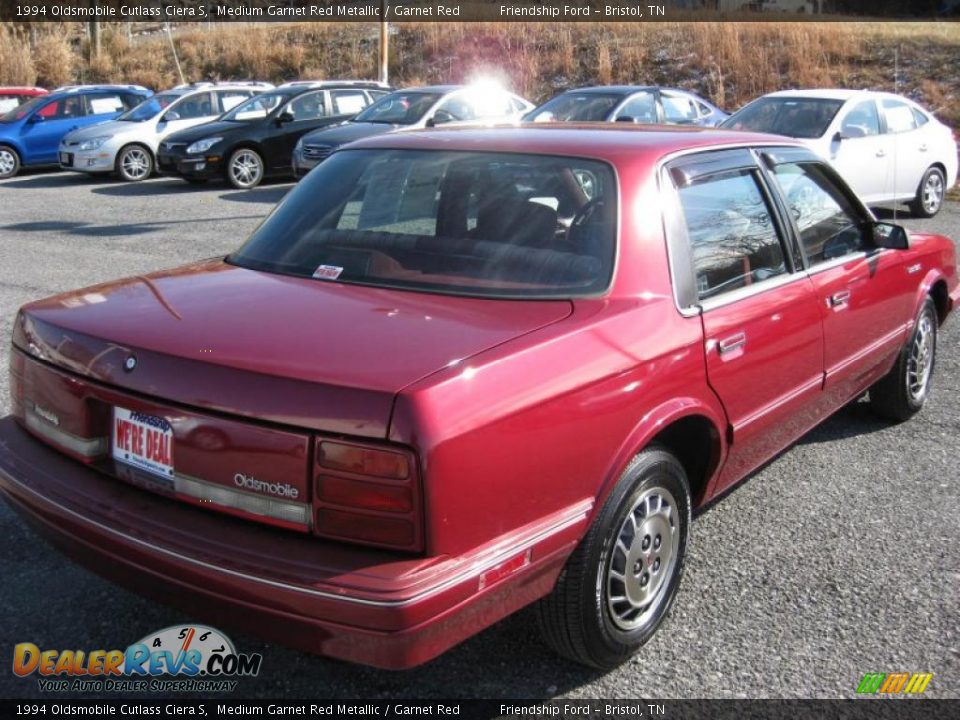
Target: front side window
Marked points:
256	108
829	226
790	116
899	116
734	242
640	108
863	120
489	224
195	106
309	106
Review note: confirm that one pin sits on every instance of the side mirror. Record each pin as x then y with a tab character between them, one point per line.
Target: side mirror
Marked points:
170	116
625	118
849	132
285	117
36	118
889	236
439	118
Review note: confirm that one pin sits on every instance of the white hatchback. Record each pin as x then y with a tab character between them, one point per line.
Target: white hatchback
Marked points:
128	145
887	148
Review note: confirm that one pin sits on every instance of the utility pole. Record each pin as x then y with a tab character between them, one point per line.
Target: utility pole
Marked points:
94	28
384	42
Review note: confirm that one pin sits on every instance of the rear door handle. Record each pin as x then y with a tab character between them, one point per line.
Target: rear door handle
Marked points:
839	298
734	342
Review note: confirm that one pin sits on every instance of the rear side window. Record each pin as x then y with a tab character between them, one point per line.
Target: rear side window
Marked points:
308	106
104	103
678	109
899	116
733	239
829	225
348	102
229	99
490	224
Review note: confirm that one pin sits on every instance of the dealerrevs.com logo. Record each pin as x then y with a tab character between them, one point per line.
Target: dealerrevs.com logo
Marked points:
180	658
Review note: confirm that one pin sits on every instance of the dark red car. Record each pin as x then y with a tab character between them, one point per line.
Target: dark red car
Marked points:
459	371
12	96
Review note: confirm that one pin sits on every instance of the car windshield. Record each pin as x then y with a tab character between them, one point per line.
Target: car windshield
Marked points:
466	223
149	108
576	107
257	107
399	108
21	111
790	116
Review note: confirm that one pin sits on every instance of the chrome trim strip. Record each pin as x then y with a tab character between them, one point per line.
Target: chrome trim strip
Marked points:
756	288
864	352
779	402
579	513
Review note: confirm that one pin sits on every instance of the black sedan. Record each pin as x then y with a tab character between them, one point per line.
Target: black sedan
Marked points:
254	140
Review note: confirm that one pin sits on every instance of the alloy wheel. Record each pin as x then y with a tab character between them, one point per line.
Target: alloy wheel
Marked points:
642	559
246	168
932	193
920	361
135	163
8	162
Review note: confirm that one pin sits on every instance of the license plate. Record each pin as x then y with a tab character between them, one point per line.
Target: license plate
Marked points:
66	159
144	441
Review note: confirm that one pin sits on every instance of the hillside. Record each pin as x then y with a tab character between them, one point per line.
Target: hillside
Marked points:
729	63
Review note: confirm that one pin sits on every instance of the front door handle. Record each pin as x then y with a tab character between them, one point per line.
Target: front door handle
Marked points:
839	299
734	342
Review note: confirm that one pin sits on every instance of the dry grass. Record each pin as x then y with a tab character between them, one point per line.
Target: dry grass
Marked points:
729	63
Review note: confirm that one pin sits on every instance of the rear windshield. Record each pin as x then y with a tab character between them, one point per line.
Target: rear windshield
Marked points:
793	117
490	224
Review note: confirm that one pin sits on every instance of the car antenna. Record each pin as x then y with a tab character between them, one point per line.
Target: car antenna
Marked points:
896	90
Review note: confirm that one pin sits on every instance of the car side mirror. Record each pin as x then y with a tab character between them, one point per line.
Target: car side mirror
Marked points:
439	118
850	132
889	236
170	116
36	118
285	117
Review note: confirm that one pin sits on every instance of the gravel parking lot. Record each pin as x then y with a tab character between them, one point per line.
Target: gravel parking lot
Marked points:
839	558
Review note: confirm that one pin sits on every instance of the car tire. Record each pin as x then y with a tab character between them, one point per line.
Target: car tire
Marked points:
930	194
901	393
9	162
134	163
618	585
245	169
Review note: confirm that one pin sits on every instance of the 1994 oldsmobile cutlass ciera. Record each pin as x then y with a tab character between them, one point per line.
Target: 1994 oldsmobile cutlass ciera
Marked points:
459	371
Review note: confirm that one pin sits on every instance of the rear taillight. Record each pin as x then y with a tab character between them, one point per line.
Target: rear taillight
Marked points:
367	494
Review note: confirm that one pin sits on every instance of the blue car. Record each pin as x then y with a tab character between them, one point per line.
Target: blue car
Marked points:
30	133
645	104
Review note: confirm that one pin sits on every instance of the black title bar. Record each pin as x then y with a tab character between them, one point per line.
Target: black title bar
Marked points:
467	10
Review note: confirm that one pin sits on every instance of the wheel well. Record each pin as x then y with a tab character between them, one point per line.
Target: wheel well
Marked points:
13	147
942	168
940	299
696	444
138	144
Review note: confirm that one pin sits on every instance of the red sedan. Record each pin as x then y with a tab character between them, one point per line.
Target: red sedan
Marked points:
460	371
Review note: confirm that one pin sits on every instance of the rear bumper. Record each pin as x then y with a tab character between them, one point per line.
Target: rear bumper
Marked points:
372	607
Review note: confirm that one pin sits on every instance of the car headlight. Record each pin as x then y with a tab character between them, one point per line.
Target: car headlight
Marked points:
201	146
94	143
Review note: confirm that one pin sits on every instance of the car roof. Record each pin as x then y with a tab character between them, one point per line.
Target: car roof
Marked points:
22	89
832	94
433	89
600	141
614	88
83	89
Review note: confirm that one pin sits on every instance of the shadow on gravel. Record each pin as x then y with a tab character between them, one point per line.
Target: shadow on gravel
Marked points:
156	186
56	180
85	230
260	195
